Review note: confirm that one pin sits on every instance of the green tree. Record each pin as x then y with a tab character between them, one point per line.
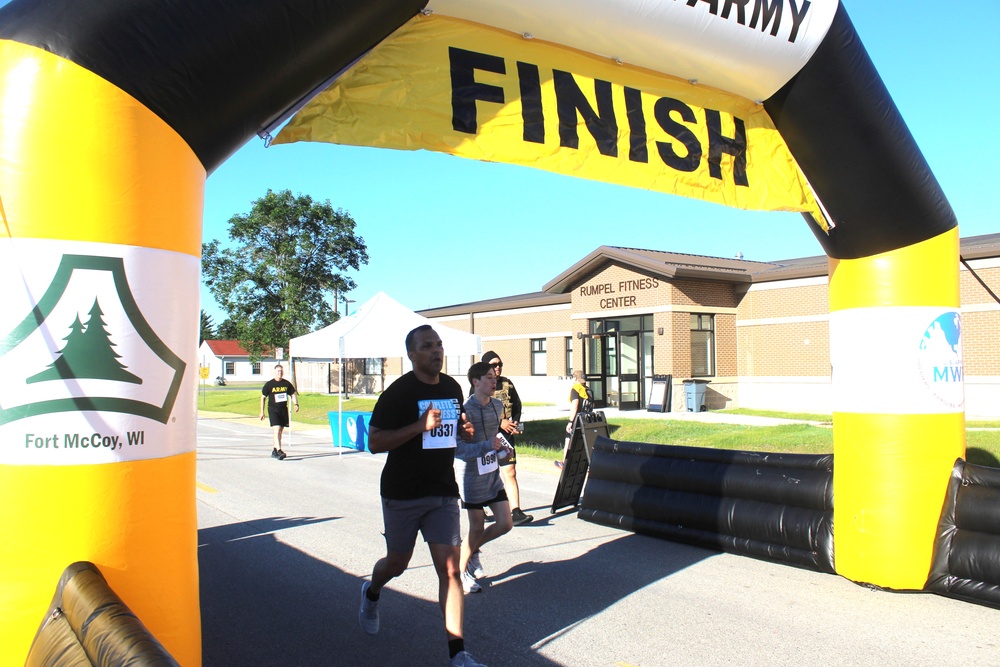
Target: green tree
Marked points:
227	330
289	257
207	328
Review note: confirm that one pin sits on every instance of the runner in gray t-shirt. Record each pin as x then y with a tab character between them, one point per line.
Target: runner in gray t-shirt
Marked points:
479	479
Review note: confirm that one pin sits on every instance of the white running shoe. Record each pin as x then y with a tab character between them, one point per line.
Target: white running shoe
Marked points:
469	584
464	659
368	614
476	566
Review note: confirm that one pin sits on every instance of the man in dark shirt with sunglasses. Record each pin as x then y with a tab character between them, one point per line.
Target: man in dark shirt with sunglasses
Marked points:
512	413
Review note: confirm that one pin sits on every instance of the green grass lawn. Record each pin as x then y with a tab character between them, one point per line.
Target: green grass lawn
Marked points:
544	438
313	408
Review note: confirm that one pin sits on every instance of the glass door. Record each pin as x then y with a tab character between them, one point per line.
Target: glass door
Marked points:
611	393
619	361
595	368
630	353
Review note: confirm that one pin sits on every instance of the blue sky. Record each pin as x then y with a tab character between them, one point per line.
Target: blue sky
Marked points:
443	230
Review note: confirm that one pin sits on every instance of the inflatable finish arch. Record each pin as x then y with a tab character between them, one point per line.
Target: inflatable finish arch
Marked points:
113	112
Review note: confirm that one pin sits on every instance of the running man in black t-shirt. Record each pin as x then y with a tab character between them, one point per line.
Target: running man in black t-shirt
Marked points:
418	421
276	394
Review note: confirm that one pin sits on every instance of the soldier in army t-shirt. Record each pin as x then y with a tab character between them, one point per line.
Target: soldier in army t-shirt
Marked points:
276	395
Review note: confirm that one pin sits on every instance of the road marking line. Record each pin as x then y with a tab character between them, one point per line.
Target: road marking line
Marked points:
205	487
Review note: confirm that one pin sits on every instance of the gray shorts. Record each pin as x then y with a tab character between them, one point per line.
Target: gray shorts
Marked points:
436	517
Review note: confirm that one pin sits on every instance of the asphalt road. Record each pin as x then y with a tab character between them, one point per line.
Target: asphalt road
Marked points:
285	545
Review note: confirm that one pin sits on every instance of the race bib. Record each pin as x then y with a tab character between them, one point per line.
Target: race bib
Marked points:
443	436
280	398
488	463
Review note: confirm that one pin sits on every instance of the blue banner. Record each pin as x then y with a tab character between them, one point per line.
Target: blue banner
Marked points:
350	429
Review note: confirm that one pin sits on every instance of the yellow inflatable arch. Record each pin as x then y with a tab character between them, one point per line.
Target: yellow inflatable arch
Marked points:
113	112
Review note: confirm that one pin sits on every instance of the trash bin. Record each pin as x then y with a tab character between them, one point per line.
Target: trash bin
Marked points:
694	394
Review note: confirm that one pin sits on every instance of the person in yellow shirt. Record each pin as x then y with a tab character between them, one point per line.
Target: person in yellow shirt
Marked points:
580	400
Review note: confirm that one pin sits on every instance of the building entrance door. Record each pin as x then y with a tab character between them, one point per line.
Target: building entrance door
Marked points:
614	369
599	357
618	361
630	365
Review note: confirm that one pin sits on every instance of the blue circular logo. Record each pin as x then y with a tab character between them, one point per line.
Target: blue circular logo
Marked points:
940	359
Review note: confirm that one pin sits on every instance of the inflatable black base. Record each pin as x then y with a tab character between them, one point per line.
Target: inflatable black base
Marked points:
966	563
776	507
88	624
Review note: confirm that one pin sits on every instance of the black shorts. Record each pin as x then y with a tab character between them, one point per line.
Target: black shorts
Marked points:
278	417
511	458
501	498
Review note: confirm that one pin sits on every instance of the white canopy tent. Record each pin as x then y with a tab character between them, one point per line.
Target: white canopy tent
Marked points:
377	329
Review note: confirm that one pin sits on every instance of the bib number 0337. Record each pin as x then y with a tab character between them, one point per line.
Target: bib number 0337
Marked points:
443	431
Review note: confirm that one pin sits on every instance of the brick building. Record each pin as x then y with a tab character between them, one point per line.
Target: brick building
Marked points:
757	331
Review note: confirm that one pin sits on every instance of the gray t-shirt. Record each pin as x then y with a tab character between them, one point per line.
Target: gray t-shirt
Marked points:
479	479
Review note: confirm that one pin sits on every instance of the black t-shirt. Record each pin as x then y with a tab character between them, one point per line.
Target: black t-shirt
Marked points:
413	470
279	393
582	393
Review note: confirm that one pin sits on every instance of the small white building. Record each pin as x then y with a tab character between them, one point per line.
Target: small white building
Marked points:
226	358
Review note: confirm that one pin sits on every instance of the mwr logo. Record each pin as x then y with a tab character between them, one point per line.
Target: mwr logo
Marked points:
940	359
66	355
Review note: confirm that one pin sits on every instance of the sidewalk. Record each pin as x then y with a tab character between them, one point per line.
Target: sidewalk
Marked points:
256	421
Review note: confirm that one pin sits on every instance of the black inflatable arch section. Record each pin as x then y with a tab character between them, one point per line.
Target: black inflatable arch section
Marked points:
777	507
88	624
217	71
221	71
966	562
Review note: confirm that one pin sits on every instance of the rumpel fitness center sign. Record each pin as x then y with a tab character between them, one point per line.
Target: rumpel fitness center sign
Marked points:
623	286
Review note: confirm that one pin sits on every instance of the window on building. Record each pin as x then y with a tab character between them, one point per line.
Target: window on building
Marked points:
373	366
538	356
255	368
457	366
569	355
702	345
230	368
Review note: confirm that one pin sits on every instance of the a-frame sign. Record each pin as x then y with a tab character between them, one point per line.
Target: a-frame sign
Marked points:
586	427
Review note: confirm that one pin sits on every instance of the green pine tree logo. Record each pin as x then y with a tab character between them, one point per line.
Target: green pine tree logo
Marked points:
88	354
